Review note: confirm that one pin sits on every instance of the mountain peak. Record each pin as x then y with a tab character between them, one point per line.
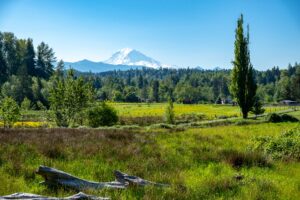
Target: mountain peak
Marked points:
126	50
128	56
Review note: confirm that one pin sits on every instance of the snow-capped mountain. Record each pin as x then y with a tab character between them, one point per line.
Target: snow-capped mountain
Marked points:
123	59
133	57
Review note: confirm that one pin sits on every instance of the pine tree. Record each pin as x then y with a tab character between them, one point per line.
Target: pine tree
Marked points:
59	71
22	73
30	57
45	60
3	66
243	86
10	49
155	91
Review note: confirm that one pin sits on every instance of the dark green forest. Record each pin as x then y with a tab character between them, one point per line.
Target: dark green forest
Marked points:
30	73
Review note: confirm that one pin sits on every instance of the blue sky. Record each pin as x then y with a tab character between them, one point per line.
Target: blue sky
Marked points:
178	32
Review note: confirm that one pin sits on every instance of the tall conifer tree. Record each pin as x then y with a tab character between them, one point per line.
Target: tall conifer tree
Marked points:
243	86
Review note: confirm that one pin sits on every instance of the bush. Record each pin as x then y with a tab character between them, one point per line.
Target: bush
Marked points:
288	118
285	147
169	113
103	115
26	104
9	111
275	118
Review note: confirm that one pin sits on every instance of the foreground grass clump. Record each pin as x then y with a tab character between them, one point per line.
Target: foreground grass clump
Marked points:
198	163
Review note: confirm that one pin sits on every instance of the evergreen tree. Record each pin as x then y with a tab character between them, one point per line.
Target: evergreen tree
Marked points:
59	71
243	86
155	91
140	82
45	60
3	66
295	84
22	73
10	52
30	58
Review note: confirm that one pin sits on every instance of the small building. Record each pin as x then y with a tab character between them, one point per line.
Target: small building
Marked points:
289	102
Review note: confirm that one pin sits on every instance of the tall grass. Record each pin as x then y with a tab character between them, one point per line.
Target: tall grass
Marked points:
197	163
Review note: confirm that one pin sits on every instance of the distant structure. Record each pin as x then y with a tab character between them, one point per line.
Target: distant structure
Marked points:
289	102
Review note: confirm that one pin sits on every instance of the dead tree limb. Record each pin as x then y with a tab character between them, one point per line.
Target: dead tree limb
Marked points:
27	196
54	177
134	180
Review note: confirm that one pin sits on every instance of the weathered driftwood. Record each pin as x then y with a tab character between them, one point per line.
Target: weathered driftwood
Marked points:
134	180
27	196
54	177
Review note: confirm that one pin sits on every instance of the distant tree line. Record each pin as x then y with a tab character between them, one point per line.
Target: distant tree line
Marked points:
27	73
191	85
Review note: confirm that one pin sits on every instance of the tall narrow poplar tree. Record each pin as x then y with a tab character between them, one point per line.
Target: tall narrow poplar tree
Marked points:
243	86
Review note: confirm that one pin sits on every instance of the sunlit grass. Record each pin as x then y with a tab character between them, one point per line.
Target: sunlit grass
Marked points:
157	109
194	162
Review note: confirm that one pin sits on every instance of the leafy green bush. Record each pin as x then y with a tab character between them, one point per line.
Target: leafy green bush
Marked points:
103	115
9	111
285	146
26	104
275	118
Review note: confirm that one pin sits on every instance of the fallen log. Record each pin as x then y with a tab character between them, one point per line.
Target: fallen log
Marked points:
134	180
54	177
28	196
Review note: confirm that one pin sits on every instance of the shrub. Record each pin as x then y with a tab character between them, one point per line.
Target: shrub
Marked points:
103	115
9	111
169	113
288	118
275	118
285	146
26	104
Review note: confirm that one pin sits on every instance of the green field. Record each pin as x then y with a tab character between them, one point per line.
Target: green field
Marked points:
198	163
147	114
157	109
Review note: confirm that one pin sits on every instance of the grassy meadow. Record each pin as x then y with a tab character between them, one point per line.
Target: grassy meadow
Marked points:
198	163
